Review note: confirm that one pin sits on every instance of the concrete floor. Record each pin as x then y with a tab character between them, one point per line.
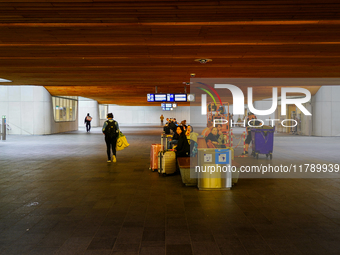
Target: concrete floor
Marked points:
58	195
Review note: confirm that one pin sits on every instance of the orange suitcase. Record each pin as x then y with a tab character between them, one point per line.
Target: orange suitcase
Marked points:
155	149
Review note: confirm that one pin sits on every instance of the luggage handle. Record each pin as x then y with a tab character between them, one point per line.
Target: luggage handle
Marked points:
160	161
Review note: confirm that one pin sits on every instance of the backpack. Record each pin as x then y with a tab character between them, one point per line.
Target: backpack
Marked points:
88	118
111	129
166	129
193	148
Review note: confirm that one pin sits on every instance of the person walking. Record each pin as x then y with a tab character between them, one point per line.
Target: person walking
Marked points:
162	118
111	132
251	122
87	121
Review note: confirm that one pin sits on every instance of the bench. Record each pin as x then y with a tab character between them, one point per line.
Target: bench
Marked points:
184	168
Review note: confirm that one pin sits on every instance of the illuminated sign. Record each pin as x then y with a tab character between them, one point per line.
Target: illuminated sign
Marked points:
160	97
151	97
180	97
170	97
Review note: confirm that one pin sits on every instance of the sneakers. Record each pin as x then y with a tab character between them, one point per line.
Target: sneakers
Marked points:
245	153
114	158
108	161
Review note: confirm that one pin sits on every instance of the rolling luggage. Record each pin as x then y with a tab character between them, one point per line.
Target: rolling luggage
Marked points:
155	149
165	139
262	141
166	162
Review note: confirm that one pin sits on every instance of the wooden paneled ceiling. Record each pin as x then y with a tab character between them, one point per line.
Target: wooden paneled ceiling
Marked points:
117	51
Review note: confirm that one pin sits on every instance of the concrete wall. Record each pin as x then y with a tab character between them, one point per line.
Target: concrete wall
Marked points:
147	114
264	105
326	111
86	105
28	110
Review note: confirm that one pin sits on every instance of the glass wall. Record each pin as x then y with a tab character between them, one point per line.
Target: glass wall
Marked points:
65	108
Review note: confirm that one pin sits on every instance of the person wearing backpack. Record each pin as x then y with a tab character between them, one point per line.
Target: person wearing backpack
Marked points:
87	121
111	132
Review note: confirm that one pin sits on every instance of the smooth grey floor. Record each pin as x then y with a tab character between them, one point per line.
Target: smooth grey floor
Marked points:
58	195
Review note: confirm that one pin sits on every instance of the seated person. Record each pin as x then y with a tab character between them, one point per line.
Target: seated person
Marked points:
172	126
192	139
215	139
183	146
207	130
219	129
175	138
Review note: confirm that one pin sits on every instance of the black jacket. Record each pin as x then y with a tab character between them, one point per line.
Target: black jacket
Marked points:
183	147
172	126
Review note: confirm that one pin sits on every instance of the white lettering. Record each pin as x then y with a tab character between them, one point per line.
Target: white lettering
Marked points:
272	121
289	120
261	112
296	101
238	97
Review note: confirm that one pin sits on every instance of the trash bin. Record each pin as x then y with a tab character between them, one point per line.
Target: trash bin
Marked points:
262	141
214	169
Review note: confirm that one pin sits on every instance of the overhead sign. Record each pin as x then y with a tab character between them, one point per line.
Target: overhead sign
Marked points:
180	97
160	97
151	97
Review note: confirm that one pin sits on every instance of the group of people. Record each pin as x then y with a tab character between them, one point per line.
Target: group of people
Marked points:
171	124
216	139
184	140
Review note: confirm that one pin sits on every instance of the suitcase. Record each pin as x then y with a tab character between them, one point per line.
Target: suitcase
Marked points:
165	139
155	149
166	162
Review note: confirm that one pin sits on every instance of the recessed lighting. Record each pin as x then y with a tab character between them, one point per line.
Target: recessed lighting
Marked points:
203	60
4	80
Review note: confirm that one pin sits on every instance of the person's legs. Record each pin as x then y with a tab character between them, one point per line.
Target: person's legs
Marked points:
113	144
248	140
247	147
108	149
89	126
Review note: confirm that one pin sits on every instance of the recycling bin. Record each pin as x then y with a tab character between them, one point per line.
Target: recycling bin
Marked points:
214	169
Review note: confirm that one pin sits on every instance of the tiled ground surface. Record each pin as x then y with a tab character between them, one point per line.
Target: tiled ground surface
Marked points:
59	196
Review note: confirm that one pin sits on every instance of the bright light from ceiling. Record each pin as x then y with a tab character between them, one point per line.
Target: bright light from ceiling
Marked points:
4	80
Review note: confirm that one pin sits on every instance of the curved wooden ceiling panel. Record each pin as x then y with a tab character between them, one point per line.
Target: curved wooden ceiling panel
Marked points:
117	51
